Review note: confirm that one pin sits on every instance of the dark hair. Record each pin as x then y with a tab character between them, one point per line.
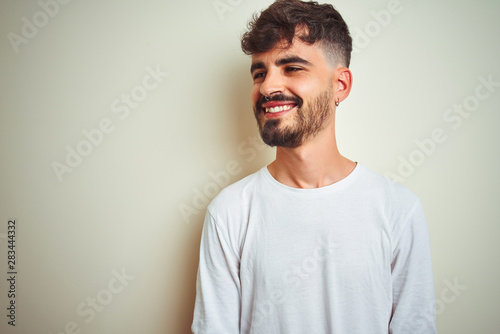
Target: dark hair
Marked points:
280	21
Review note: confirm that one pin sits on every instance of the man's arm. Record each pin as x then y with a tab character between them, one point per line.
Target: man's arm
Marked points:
217	307
413	307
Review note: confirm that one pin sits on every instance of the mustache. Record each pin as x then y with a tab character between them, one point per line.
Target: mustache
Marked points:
279	97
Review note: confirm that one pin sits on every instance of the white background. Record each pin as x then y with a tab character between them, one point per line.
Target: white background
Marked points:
119	209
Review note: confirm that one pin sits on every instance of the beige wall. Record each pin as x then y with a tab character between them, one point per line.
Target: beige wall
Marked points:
102	245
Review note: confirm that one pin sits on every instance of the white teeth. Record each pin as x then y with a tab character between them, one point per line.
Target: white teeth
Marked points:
279	108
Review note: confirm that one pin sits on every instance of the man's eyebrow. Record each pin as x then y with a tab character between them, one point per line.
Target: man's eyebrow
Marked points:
292	59
280	62
257	66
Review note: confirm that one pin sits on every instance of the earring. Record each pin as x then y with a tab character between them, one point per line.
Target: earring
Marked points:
337	102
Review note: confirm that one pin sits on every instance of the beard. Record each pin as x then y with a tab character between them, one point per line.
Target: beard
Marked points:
307	121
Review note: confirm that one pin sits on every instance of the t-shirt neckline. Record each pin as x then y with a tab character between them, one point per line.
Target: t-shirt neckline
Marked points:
329	188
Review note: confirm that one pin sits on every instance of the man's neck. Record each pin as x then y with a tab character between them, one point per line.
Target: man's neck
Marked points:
316	163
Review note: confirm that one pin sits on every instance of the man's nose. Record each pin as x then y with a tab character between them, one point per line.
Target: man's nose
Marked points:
273	83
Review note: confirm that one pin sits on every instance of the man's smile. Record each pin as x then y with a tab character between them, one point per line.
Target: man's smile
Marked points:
277	108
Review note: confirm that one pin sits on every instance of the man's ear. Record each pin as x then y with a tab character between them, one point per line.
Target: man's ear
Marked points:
342	82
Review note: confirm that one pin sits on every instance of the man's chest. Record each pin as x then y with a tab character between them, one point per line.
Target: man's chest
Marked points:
296	248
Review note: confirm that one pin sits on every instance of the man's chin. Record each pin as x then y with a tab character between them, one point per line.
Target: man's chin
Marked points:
279	138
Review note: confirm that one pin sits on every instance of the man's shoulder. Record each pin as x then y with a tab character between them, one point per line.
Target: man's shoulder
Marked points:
395	194
236	194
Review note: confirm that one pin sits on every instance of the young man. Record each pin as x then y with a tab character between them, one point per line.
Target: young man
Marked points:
313	243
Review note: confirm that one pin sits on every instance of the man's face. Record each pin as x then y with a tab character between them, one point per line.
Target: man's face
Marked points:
298	82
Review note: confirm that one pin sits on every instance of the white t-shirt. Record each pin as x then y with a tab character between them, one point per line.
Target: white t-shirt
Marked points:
352	257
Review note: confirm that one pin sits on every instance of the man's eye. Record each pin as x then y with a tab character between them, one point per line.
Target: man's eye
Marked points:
259	75
292	69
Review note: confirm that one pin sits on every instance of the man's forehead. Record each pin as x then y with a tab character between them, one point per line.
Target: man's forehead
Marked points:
283	46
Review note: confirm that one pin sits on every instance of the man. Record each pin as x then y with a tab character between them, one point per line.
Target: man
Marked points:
313	243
